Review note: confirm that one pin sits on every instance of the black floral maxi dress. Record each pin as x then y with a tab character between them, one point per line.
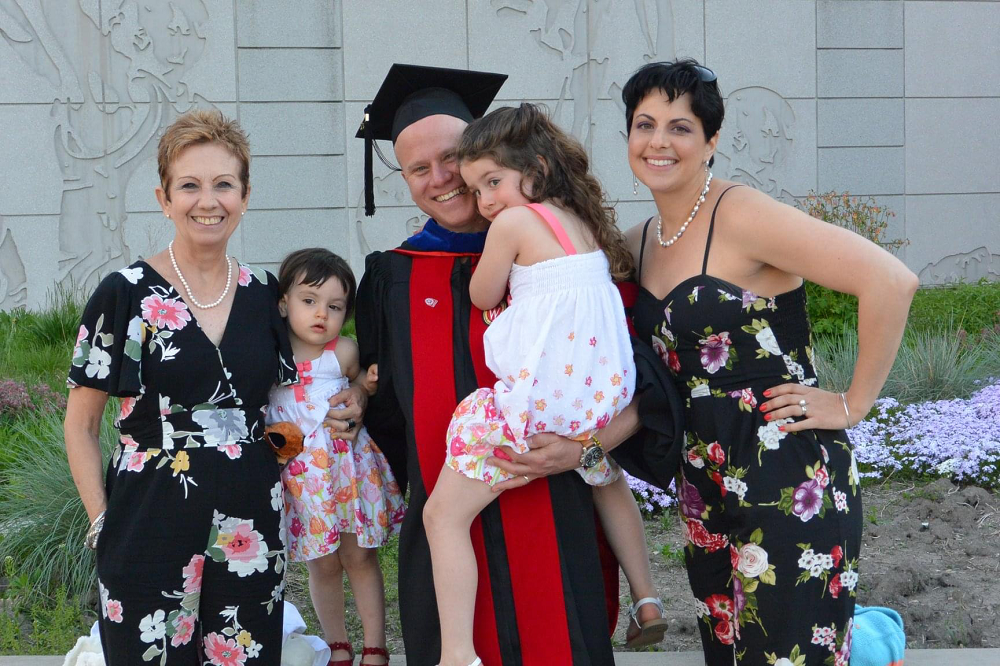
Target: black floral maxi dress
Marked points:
772	519
191	558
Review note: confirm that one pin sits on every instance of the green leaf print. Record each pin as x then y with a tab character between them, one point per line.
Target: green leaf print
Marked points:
133	349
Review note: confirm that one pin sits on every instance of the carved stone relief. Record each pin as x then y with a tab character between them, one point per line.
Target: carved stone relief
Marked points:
113	102
965	266
597	58
391	190
13	278
761	124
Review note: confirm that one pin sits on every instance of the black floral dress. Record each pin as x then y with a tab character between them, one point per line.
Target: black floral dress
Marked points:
772	519
191	558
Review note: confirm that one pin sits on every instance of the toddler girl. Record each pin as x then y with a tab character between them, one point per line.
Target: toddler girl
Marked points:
561	352
341	500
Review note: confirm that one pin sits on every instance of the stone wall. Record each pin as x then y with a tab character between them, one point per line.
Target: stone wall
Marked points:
895	98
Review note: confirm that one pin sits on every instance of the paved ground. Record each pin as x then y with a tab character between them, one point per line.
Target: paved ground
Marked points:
913	658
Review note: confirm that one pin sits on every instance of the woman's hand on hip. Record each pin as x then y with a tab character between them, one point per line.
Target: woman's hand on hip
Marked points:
810	408
549	454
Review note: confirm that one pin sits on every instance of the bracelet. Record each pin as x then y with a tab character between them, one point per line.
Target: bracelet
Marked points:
847	410
90	541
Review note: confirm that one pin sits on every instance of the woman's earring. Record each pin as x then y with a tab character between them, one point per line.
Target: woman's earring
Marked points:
635	185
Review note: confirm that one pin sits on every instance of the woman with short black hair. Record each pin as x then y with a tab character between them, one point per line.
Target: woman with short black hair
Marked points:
768	485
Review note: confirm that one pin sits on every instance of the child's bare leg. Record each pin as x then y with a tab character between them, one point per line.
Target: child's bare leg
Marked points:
626	534
361	565
326	588
448	516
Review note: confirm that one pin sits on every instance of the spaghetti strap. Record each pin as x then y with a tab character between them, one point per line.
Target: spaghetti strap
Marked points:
331	345
556	226
711	228
642	250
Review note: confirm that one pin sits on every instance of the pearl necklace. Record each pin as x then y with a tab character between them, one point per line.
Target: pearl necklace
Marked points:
680	232
187	288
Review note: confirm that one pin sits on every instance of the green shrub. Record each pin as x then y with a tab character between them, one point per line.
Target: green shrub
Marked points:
57	324
830	312
31	624
930	365
969	307
863	216
42	520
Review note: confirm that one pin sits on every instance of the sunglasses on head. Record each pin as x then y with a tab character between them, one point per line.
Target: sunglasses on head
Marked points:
705	75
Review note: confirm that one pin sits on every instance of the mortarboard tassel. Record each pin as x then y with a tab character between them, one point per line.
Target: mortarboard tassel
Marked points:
369	167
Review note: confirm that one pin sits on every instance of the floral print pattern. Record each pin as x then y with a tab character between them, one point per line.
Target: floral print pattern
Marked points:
572	382
746	487
191	484
334	486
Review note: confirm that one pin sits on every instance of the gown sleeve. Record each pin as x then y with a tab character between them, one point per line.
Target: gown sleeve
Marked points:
654	453
108	352
287	373
384	418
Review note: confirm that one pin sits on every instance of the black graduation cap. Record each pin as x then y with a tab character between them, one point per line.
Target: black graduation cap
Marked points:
412	92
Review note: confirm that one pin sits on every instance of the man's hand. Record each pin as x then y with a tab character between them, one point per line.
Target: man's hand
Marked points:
345	421
549	454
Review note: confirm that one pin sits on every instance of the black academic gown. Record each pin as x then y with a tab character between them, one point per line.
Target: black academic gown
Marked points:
541	594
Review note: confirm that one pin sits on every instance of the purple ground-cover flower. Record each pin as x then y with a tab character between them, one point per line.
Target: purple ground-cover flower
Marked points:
958	438
651	499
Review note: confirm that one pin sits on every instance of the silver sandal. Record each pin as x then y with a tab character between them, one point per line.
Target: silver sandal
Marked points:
649	632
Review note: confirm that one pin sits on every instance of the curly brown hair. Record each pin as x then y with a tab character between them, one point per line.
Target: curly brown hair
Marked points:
523	138
203	126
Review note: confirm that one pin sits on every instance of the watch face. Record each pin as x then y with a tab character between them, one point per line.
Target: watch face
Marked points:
591	456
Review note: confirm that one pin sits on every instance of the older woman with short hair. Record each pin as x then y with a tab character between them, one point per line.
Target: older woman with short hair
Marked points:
188	522
768	485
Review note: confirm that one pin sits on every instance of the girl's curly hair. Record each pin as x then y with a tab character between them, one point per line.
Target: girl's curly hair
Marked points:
515	138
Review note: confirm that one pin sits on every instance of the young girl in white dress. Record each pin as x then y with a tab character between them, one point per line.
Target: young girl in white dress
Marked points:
561	351
341	500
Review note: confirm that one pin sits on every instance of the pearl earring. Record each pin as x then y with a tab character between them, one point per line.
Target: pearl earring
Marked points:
635	185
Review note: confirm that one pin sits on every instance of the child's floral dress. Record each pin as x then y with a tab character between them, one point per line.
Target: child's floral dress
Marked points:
563	357
333	486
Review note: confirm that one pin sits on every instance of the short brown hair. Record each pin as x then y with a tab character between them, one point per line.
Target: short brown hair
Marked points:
314	266
203	126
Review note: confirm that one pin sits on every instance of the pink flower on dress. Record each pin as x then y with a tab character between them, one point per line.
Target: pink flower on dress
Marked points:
232	451
183	629
243	545
222	651
835	586
701	537
296	528
716	454
113	609
673	361
720	606
296	467
603	421
192	574
457	446
822	477
837	554
245	276
136	461
725	631
165	313
128	404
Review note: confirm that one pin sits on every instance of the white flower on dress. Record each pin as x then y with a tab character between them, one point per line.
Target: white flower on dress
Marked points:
152	627
849	578
769	435
734	485
795	369
277	497
701	608
821	563
753	560
840	500
133	275
98	363
767	341
806	559
701	391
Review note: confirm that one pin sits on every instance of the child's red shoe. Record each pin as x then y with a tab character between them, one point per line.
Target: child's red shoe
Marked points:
341	662
374	652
